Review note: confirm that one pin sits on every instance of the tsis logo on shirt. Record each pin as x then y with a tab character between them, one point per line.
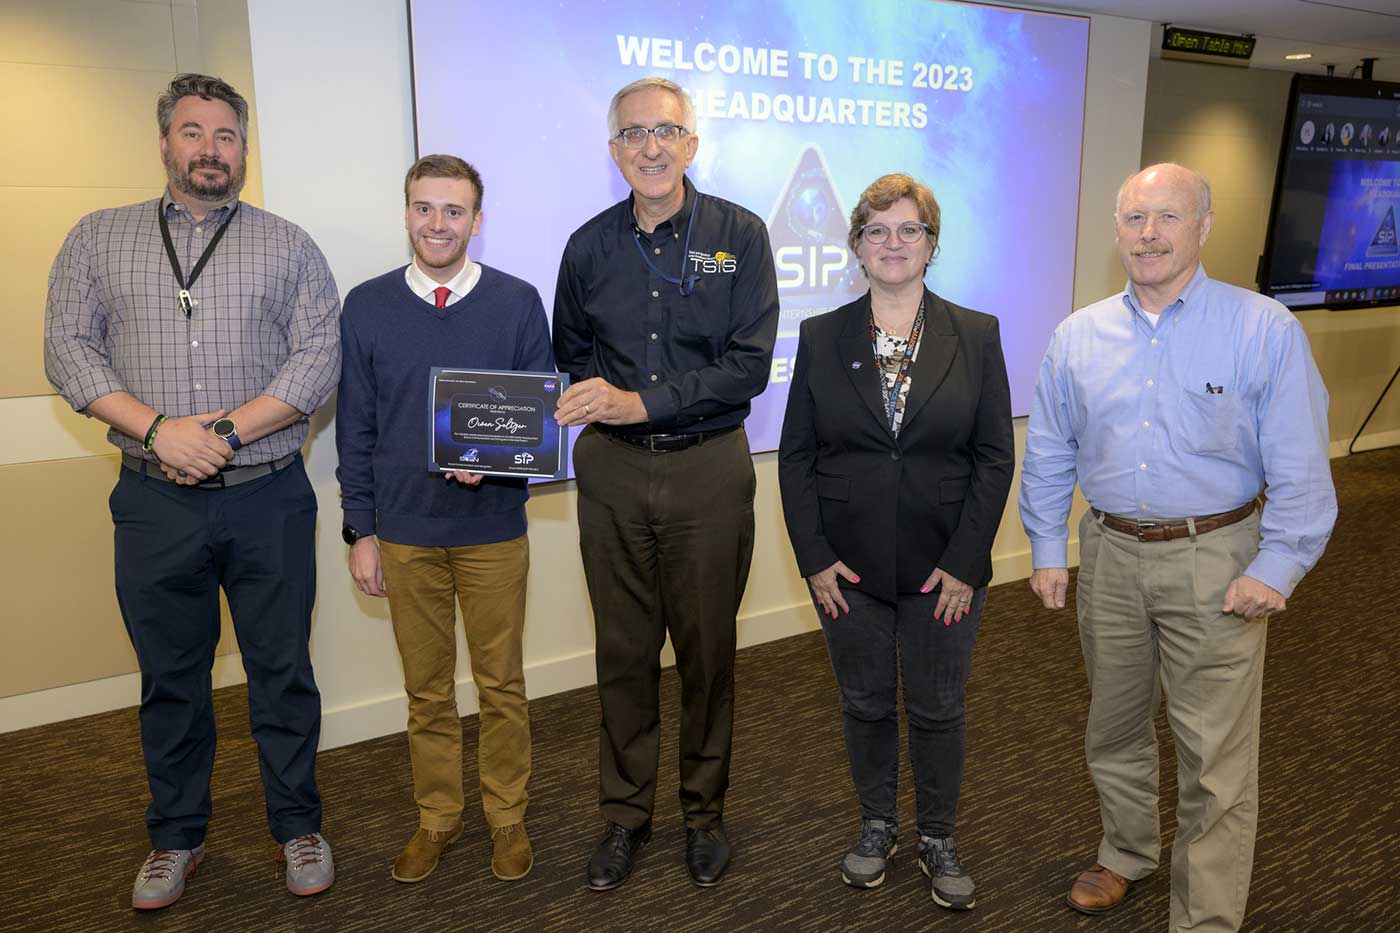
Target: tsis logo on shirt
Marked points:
719	262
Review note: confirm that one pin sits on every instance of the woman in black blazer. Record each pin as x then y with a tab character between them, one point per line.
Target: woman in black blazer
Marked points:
895	464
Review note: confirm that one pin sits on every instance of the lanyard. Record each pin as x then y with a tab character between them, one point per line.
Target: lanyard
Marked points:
187	302
686	282
890	394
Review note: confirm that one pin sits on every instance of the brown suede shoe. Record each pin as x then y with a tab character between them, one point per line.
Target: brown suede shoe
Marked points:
511	855
1097	890
420	855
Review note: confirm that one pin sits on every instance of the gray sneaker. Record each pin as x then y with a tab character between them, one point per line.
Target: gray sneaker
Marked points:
952	887
310	868
161	880
864	865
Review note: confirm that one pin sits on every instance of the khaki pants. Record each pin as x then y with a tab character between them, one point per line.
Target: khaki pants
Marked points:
488	581
1150	620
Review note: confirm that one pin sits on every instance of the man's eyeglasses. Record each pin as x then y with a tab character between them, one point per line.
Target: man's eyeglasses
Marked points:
635	137
875	234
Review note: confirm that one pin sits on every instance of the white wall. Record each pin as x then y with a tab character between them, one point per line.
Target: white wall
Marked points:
335	123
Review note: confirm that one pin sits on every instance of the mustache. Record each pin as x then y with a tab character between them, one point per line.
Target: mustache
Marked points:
209	162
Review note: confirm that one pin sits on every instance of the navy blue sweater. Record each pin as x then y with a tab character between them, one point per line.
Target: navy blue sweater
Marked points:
390	339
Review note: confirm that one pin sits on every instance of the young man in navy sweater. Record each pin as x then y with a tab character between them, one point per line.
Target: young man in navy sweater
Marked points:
422	539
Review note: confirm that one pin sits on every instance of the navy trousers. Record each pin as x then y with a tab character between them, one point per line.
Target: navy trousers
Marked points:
175	547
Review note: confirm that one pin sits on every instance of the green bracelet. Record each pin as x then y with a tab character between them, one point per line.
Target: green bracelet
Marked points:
150	440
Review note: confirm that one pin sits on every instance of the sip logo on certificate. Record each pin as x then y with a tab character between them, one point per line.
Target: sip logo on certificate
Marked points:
497	423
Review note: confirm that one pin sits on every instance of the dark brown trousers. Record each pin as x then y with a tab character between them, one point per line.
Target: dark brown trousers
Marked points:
667	540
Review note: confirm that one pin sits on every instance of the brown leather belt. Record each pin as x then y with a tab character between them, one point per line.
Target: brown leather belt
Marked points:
661	443
1170	531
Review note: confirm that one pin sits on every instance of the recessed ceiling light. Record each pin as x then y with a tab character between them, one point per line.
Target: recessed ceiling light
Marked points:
1299	56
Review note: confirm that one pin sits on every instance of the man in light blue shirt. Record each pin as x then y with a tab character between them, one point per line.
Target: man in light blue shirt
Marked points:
1174	404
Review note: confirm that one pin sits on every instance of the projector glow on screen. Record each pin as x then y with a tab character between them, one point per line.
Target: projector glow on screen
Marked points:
800	105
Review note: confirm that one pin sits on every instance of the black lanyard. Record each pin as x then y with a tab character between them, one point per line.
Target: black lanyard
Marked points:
187	302
891	393
686	282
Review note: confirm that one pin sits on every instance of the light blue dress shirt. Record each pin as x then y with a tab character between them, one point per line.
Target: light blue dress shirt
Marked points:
1191	417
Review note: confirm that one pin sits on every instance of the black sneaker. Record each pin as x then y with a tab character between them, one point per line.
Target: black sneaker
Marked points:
952	887
864	865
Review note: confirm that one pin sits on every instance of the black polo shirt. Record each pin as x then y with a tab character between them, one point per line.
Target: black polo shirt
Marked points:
696	360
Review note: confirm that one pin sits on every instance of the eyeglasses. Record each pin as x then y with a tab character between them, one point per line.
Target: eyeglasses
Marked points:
875	234
635	137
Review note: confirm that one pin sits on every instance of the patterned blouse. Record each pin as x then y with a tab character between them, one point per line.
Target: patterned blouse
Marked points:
889	353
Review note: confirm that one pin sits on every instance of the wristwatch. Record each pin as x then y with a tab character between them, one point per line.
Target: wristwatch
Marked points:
350	535
225	431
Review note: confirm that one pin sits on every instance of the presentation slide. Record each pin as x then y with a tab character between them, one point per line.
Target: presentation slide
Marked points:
1358	247
800	104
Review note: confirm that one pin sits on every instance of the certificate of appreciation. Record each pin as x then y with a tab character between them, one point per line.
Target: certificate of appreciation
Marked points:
496	423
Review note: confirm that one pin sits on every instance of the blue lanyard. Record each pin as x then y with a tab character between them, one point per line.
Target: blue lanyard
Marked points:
686	282
891	393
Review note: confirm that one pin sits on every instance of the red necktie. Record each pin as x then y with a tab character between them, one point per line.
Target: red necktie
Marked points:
440	296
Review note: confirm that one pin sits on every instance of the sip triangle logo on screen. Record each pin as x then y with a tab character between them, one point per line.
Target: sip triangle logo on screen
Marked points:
807	229
1383	243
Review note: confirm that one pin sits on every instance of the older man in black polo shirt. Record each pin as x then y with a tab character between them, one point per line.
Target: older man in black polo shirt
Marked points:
664	317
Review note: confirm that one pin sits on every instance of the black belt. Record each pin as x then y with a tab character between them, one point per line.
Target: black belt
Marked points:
229	476
661	443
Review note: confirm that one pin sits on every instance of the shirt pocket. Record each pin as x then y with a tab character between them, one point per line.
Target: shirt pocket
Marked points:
1211	423
697	328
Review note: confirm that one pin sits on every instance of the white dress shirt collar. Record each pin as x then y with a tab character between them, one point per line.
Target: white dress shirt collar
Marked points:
461	284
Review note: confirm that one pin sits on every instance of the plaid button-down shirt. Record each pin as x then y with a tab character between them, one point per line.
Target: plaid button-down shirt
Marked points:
266	319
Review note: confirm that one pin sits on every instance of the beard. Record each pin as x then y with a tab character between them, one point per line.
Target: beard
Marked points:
439	260
183	179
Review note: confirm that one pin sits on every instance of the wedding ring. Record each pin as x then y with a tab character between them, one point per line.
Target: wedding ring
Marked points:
585	409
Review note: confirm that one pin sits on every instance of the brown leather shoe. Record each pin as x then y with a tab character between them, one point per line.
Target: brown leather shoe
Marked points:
511	855
420	855
1097	890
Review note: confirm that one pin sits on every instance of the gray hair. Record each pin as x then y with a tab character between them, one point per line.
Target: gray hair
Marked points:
1199	180
203	86
641	84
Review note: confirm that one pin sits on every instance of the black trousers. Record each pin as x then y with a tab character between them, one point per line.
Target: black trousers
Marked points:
175	547
871	647
667	539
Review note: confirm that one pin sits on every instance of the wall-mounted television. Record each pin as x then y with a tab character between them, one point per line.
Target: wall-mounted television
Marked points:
1332	229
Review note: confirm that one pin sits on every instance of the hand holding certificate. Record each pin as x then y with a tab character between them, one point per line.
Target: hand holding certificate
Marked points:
597	400
497	423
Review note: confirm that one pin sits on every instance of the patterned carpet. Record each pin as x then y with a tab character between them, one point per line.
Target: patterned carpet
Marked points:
1327	857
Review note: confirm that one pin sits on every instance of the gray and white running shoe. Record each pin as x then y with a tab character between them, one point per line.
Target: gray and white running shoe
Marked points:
952	887
864	865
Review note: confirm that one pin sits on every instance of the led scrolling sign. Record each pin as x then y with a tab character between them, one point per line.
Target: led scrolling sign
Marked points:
1207	43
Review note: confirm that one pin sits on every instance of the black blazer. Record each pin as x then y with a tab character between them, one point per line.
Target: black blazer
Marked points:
893	509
